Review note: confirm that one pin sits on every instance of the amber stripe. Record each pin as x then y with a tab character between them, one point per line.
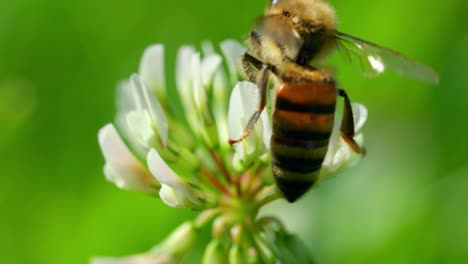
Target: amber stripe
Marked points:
303	121
308	93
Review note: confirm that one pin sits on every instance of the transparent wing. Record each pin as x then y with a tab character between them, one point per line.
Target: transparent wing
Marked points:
375	59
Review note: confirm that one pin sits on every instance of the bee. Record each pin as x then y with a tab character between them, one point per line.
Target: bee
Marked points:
287	45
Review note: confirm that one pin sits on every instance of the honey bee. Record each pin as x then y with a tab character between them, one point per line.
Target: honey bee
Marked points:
288	43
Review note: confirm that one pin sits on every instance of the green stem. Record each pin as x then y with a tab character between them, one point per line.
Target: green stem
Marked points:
206	216
267	195
222	167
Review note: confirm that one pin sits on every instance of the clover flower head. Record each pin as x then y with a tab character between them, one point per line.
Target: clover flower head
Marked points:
185	159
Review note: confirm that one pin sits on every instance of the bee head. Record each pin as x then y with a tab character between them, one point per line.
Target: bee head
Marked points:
313	21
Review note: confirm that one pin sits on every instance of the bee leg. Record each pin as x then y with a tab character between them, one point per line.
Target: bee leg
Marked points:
347	124
251	66
263	86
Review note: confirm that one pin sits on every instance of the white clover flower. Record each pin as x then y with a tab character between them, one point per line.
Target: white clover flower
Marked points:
140	115
152	70
186	160
243	102
340	155
175	191
233	52
122	168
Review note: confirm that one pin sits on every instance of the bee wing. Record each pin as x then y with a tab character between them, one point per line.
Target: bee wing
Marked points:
375	59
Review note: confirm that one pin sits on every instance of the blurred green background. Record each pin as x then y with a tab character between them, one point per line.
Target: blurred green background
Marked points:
407	202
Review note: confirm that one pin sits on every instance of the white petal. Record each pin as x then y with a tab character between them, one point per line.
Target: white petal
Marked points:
236	117
233	52
172	198
141	128
359	115
340	155
209	66
126	104
120	180
152	68
208	48
266	124
145	100
242	105
184	69
112	146
122	167
199	91
220	107
138	259
125	100
184	81
344	157
335	141
164	174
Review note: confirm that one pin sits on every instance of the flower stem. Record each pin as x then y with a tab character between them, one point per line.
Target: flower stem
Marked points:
222	167
214	181
206	217
267	195
255	186
266	220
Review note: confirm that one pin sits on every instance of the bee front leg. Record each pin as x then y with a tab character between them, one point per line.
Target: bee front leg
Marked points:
251	66
263	86
347	124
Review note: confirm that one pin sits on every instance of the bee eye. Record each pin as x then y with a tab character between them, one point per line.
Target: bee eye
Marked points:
286	13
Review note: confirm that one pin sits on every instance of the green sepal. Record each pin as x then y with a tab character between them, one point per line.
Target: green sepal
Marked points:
215	253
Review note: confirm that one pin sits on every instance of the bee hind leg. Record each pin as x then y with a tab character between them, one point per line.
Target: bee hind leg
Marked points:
263	86
347	124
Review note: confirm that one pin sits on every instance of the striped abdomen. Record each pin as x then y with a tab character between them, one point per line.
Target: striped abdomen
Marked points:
302	125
